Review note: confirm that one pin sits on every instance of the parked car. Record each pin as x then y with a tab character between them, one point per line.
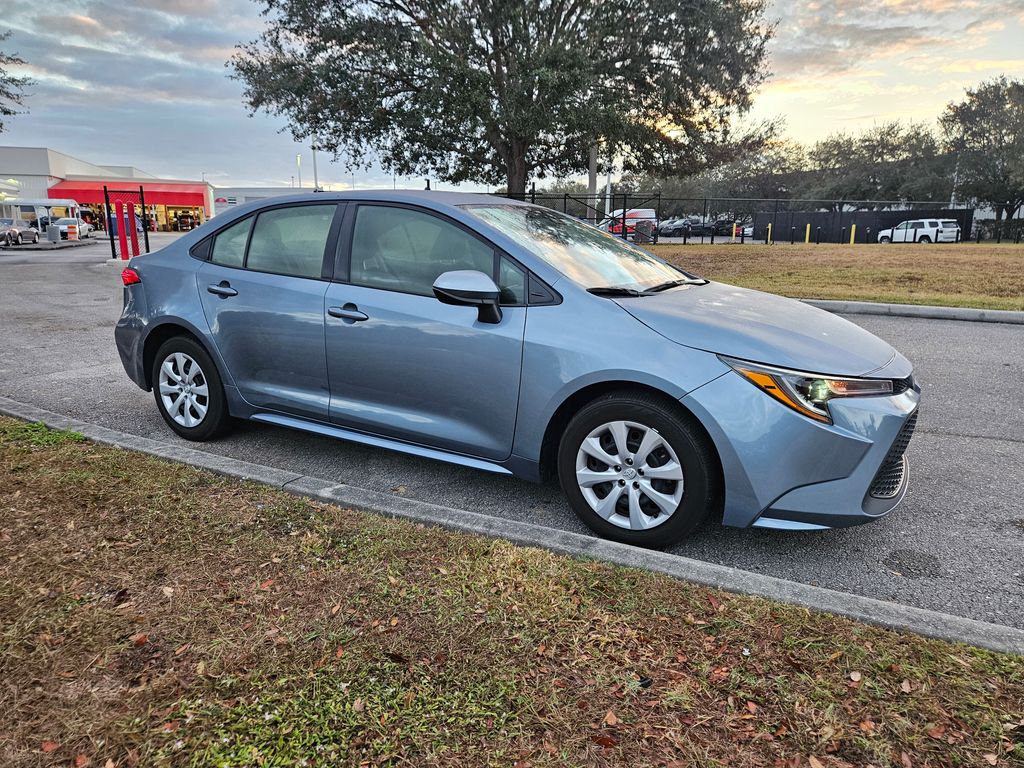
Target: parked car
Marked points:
84	227
678	227
514	339
638	220
17	231
922	231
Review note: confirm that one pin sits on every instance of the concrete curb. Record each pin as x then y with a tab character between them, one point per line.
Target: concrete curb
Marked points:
878	612
919	310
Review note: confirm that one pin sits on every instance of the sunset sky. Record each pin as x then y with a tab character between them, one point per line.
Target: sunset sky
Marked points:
144	83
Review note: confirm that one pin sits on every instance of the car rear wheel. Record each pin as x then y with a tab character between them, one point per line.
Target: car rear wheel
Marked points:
638	470
188	390
924	239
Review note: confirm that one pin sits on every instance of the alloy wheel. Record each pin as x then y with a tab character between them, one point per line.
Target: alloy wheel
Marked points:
629	475
184	389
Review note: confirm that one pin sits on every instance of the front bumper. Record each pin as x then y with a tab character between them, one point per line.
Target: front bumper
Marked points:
783	470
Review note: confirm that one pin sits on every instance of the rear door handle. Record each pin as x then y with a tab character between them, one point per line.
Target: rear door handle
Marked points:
222	289
348	312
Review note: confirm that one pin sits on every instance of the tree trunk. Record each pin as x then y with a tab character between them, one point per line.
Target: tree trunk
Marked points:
516	169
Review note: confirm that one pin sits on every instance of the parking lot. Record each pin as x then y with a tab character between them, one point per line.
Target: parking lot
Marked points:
956	544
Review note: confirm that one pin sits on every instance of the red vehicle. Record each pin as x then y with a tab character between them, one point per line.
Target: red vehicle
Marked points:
641	224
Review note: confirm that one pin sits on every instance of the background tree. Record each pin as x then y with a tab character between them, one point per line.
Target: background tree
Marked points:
494	92
985	134
12	87
891	161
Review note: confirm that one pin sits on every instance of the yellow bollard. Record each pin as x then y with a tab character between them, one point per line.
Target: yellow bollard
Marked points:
769	238
734	231
853	234
807	233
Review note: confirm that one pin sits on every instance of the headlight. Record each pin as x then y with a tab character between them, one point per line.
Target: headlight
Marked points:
807	393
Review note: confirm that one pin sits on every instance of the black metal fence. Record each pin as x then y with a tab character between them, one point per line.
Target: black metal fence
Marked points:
790	220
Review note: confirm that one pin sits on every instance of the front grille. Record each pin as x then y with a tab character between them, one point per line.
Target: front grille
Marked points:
899	386
890	476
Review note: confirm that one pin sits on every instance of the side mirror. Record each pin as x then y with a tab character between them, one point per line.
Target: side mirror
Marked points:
470	288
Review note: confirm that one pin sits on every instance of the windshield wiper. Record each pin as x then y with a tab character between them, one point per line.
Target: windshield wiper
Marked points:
673	284
615	290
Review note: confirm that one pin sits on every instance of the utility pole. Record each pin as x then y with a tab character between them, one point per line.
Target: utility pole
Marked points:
298	166
592	184
316	179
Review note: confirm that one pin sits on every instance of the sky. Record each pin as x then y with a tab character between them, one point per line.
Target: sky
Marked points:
144	83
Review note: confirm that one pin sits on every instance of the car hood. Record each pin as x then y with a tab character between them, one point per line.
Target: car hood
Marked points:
761	327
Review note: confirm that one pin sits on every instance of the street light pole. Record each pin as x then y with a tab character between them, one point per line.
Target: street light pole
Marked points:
298	165
316	179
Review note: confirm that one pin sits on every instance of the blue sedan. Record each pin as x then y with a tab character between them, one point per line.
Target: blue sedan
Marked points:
514	339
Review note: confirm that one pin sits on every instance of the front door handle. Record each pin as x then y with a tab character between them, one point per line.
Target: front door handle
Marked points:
222	289
348	312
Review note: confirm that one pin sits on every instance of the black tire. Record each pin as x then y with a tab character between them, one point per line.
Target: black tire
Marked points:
701	471
885	240
216	420
924	239
17	239
35	239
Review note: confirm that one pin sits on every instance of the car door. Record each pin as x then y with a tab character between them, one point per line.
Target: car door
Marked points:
402	364
263	290
899	235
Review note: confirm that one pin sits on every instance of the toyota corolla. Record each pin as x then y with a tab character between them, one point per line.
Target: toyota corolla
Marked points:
514	339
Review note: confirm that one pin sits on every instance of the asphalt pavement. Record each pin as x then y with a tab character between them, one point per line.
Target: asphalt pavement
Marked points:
956	544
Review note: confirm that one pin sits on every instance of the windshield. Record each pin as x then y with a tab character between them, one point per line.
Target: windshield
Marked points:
586	255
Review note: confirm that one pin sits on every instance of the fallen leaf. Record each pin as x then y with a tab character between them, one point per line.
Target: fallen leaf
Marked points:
751	707
868	726
605	740
990	758
140	639
815	762
49	746
266	584
358	705
339	652
335	609
81	761
906	761
855	676
610	719
168	591
201	668
109	764
906	687
937	732
541	648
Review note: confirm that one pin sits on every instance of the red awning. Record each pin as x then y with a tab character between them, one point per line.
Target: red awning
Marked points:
156	193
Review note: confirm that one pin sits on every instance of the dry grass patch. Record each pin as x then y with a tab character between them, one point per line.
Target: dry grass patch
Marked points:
153	614
965	275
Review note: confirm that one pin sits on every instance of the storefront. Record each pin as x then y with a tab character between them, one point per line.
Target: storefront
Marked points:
170	206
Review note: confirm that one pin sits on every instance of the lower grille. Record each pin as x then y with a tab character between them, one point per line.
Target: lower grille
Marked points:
890	475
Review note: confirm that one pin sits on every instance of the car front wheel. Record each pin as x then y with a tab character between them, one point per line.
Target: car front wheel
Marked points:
188	390
884	240
638	470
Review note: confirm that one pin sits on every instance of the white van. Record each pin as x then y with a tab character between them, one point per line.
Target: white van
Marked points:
922	231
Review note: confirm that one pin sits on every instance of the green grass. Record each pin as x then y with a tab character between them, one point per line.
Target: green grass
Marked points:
154	614
962	275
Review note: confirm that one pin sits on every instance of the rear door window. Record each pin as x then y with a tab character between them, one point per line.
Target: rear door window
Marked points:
291	241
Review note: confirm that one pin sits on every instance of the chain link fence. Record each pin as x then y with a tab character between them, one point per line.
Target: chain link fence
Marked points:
710	219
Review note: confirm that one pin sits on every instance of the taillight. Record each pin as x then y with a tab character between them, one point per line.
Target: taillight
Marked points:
129	276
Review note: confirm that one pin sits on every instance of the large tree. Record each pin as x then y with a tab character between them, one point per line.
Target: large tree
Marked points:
985	134
493	91
891	161
12	87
